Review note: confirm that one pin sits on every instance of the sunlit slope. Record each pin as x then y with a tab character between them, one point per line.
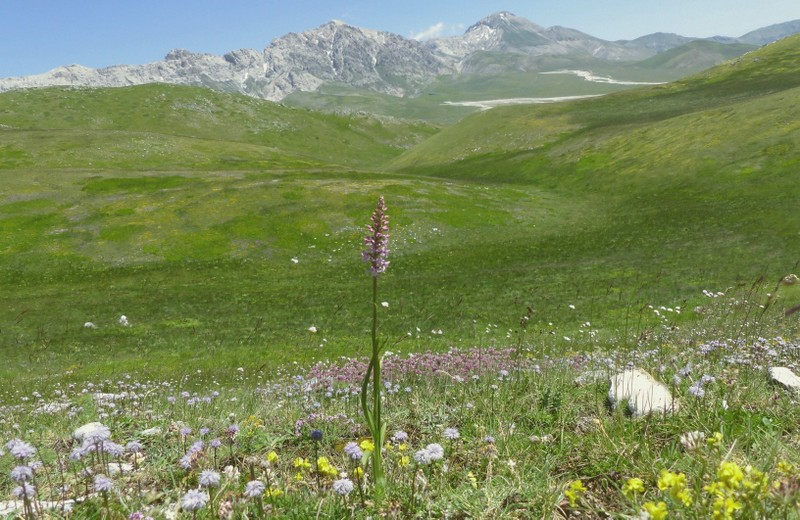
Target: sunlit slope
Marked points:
690	183
609	205
172	127
749	78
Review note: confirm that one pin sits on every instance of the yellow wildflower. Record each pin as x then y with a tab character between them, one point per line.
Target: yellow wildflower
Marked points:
715	441
274	493
272	457
684	496
575	491
358	473
675	483
301	464
724	508
730	475
785	468
326	468
633	486
755	482
404	461
252	422
472	480
367	445
668	480
656	511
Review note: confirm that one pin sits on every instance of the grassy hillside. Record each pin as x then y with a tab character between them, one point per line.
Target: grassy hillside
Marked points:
224	228
692	182
171	127
695	55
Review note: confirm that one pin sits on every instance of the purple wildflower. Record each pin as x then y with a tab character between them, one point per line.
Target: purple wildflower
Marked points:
343	487
186	462
697	390
209	478
377	240
133	447
20	449
431	453
25	490
215	443
707	379
193	500
97	434
400	436
185	431
451	434
102	483
232	430
22	473
353	450
112	448
435	451
254	489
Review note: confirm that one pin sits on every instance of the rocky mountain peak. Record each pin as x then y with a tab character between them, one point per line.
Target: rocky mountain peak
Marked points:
337	52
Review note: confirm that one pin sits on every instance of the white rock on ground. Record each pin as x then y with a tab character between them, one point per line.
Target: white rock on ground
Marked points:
785	377
16	506
151	432
642	392
115	468
86	429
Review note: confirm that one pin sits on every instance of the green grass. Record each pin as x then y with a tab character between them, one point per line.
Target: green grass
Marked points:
531	421
225	227
171	127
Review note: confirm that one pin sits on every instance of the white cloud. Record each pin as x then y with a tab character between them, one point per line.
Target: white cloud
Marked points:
434	31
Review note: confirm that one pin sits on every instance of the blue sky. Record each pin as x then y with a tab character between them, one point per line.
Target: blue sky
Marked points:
38	35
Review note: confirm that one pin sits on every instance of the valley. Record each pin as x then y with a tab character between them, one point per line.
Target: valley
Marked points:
590	306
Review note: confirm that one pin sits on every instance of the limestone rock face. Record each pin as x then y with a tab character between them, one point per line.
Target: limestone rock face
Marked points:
785	377
340	54
642	392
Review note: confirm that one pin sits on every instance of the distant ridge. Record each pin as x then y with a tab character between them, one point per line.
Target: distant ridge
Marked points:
383	62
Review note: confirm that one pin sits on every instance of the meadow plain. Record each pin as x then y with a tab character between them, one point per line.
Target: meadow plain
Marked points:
650	226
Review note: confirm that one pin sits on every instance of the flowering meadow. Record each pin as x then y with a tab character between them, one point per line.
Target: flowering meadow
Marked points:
514	431
524	429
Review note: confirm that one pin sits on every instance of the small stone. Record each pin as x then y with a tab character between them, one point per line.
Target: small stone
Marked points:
785	377
151	432
790	279
544	439
86	429
586	425
115	468
643	393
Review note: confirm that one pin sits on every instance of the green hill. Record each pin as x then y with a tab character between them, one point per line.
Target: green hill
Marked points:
171	127
696	55
225	227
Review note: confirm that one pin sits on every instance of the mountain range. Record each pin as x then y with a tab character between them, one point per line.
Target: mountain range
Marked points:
387	63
